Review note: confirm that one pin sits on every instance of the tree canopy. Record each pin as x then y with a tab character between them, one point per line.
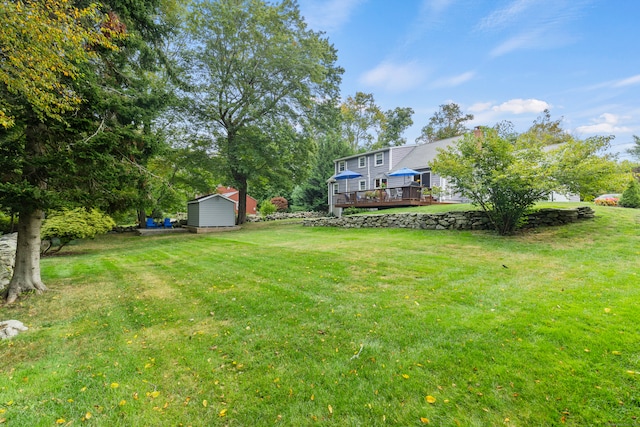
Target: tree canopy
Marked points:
42	45
447	122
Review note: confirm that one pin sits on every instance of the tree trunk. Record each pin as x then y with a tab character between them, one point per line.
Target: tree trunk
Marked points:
242	201
26	274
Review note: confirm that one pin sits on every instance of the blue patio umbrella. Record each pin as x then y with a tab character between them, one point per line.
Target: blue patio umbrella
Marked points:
347	174
404	172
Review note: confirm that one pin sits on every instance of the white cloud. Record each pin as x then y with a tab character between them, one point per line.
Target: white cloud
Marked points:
479	107
505	16
633	80
395	77
454	80
328	15
521	106
605	123
521	41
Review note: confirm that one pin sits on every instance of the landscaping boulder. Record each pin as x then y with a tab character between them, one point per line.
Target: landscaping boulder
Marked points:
11	328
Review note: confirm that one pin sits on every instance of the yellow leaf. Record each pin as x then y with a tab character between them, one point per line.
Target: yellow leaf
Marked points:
115	385
405	376
122	402
154	394
60	421
222	413
607	310
205	403
330	409
312	397
616	353
430	399
424	420
87	415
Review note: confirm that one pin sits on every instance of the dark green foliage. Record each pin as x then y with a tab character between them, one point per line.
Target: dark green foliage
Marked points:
631	196
72	224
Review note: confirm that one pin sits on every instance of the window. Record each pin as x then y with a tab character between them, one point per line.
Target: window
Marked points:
362	185
379	159
335	188
341	166
379	182
362	162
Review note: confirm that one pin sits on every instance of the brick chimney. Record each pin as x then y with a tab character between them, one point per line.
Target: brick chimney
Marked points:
477	132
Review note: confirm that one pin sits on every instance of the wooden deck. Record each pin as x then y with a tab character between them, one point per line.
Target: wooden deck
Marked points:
383	198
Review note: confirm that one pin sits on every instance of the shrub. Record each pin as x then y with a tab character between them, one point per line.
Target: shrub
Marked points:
267	208
609	201
72	224
6	223
280	203
631	196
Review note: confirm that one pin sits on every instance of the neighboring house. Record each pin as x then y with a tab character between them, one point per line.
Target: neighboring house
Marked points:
232	193
375	167
214	210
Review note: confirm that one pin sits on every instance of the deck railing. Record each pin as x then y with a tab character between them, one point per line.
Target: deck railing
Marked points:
384	197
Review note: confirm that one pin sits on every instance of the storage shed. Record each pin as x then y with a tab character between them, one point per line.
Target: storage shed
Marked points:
214	210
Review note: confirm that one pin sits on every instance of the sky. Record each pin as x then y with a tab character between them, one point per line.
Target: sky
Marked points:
498	60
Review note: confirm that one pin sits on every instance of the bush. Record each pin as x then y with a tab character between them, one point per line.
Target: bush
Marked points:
267	208
609	201
73	224
6	223
631	196
281	204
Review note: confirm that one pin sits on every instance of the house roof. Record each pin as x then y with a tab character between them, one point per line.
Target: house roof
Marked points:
209	196
422	154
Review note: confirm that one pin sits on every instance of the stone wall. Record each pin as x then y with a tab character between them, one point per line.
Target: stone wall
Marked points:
8	244
461	220
284	215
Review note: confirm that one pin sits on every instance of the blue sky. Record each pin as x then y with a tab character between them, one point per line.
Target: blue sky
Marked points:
499	60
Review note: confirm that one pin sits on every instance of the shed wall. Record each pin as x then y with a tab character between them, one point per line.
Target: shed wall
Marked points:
213	212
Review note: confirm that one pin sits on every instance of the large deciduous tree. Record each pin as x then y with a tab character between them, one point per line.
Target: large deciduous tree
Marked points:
257	70
447	122
81	149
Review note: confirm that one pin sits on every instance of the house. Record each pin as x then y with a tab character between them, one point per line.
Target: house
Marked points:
376	187
214	210
375	167
232	193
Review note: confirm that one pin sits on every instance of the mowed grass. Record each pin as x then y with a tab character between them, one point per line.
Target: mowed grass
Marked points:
278	324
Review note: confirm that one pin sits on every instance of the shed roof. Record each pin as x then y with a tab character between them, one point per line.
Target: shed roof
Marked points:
209	196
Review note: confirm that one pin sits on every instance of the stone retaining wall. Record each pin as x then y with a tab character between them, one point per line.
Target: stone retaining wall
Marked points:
8	244
460	220
284	215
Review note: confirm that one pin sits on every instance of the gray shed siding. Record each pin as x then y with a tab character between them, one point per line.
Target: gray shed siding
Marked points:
214	211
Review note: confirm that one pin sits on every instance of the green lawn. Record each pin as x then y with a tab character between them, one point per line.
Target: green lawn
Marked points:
278	324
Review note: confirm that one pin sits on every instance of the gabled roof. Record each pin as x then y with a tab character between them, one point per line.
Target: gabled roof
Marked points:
209	196
422	154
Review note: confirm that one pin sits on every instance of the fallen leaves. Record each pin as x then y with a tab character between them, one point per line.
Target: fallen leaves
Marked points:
430	399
